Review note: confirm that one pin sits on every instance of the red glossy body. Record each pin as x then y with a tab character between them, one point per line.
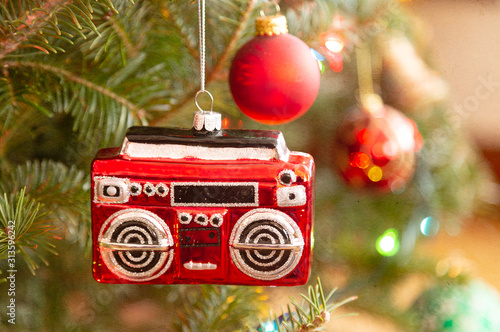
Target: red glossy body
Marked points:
194	241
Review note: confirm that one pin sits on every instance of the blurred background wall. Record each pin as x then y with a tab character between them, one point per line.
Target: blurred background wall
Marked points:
466	43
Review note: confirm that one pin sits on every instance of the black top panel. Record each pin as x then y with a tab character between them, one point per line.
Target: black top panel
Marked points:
223	138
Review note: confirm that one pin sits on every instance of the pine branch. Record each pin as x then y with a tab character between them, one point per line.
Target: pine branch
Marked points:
10	87
311	316
132	50
45	180
217	308
25	230
118	35
9	107
49	24
37	26
58	186
180	27
100	116
137	111
30	26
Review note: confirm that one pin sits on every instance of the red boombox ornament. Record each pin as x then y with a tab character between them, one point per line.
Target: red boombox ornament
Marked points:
196	206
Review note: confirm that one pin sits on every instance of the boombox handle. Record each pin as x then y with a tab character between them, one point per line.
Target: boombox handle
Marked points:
146	143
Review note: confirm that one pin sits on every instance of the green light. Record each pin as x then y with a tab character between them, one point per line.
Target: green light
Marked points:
388	243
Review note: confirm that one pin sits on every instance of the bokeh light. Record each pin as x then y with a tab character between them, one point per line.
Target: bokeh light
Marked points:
429	226
375	174
334	44
359	160
398	186
388	243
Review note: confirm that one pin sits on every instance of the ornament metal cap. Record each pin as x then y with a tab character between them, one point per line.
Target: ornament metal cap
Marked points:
271	25
209	121
206	122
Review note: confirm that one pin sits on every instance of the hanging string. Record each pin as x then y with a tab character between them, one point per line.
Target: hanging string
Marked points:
201	28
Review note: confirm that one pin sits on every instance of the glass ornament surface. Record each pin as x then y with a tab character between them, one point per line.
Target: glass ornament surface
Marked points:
376	150
176	206
274	78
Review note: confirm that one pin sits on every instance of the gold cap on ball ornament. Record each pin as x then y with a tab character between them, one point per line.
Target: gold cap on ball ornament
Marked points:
271	25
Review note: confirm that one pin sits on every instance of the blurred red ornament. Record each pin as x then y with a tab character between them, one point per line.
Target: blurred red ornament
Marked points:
376	149
274	78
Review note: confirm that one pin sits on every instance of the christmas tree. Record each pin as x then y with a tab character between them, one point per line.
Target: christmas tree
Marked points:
76	74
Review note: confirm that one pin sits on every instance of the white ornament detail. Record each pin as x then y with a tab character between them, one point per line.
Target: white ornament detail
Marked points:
138	189
111	190
201	219
165	190
291	196
290	173
199	266
149	189
214	218
185	218
209	121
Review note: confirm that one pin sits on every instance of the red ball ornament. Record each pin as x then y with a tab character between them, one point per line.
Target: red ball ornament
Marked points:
376	149
274	78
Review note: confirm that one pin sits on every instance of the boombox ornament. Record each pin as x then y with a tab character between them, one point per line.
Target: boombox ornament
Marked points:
202	206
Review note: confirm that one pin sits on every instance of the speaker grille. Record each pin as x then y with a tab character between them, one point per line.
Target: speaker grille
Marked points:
266	244
136	227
